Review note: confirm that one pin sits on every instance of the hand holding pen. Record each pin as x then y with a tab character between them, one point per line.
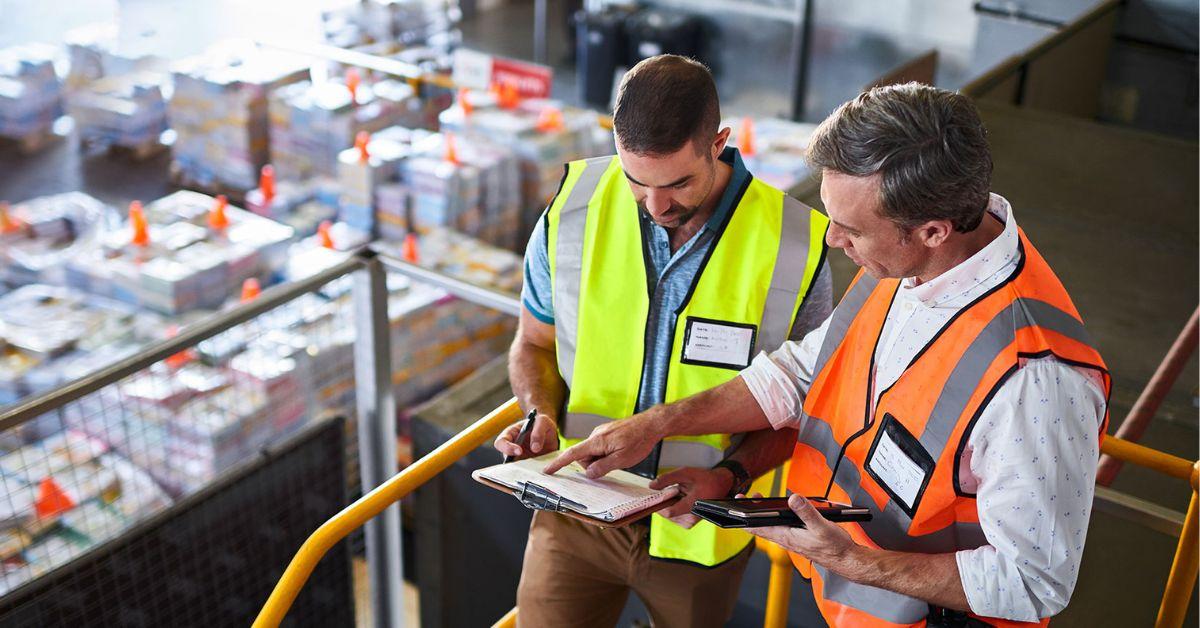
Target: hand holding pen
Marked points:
535	435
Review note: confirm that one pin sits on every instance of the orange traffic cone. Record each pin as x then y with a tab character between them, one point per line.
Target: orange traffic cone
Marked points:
746	138
266	183
250	289
8	224
217	219
550	120
360	142
507	96
183	357
410	252
464	102
325	235
137	221
451	150
51	499
353	78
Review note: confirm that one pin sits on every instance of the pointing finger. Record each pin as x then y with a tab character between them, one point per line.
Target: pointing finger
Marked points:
577	452
601	467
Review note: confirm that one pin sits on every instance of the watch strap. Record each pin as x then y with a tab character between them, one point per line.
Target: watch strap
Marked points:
741	477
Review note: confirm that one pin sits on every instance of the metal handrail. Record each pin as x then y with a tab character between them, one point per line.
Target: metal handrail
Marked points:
271	298
475	293
1150	458
779	584
1182	577
373	503
508	621
1152	395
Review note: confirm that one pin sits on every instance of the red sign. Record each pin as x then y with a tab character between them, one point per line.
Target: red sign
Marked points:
531	79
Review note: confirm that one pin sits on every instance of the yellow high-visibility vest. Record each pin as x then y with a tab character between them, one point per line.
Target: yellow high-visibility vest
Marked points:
744	299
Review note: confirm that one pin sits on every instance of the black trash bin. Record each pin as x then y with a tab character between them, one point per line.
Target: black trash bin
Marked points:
600	49
653	32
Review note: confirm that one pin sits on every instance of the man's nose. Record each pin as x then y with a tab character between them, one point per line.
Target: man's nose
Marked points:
835	237
658	201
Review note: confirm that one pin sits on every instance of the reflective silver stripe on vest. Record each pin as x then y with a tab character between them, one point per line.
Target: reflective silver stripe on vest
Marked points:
881	603
568	258
845	312
786	277
578	425
998	334
675	453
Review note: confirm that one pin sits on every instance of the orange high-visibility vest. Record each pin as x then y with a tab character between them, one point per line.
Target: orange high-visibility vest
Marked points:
927	414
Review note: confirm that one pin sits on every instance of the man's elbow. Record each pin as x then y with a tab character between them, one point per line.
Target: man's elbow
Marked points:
1047	595
1015	589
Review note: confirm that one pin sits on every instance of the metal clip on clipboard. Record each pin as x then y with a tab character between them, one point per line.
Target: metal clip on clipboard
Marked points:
539	497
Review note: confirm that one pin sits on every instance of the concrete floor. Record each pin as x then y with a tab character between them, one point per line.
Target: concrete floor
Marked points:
1115	212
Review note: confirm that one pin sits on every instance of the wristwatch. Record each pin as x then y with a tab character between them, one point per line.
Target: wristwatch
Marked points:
741	478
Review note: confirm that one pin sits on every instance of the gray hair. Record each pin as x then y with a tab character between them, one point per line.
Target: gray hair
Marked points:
927	144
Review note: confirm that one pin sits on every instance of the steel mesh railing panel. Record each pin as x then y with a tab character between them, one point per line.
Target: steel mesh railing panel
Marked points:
81	475
211	558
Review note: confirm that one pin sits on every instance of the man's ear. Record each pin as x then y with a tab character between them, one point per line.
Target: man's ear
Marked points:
935	232
719	142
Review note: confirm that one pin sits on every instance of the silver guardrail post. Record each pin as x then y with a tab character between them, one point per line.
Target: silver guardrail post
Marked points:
377	436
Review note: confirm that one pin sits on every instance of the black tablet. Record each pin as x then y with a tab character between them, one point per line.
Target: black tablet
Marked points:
757	512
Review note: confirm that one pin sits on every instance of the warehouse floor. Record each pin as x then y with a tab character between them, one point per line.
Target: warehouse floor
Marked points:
1113	211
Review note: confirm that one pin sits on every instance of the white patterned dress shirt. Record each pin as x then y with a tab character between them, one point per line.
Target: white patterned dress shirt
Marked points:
1030	460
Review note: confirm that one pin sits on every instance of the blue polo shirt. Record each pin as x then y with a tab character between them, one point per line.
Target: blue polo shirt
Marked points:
668	277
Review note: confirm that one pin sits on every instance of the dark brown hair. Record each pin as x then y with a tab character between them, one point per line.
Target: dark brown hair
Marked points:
927	144
663	102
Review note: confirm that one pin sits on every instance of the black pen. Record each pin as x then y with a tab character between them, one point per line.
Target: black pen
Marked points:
529	419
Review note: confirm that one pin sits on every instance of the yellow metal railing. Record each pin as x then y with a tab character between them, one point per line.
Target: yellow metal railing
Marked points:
1176	595
375	502
1182	577
508	621
779	585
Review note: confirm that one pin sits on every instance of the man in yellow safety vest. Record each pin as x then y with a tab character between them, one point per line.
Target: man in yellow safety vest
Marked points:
653	275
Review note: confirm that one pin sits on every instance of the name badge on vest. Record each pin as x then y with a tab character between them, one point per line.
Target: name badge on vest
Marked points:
722	344
899	464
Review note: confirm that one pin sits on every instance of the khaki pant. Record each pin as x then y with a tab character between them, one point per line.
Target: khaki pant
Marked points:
577	574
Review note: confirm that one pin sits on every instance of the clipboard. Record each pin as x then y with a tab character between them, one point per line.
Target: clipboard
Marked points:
547	500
